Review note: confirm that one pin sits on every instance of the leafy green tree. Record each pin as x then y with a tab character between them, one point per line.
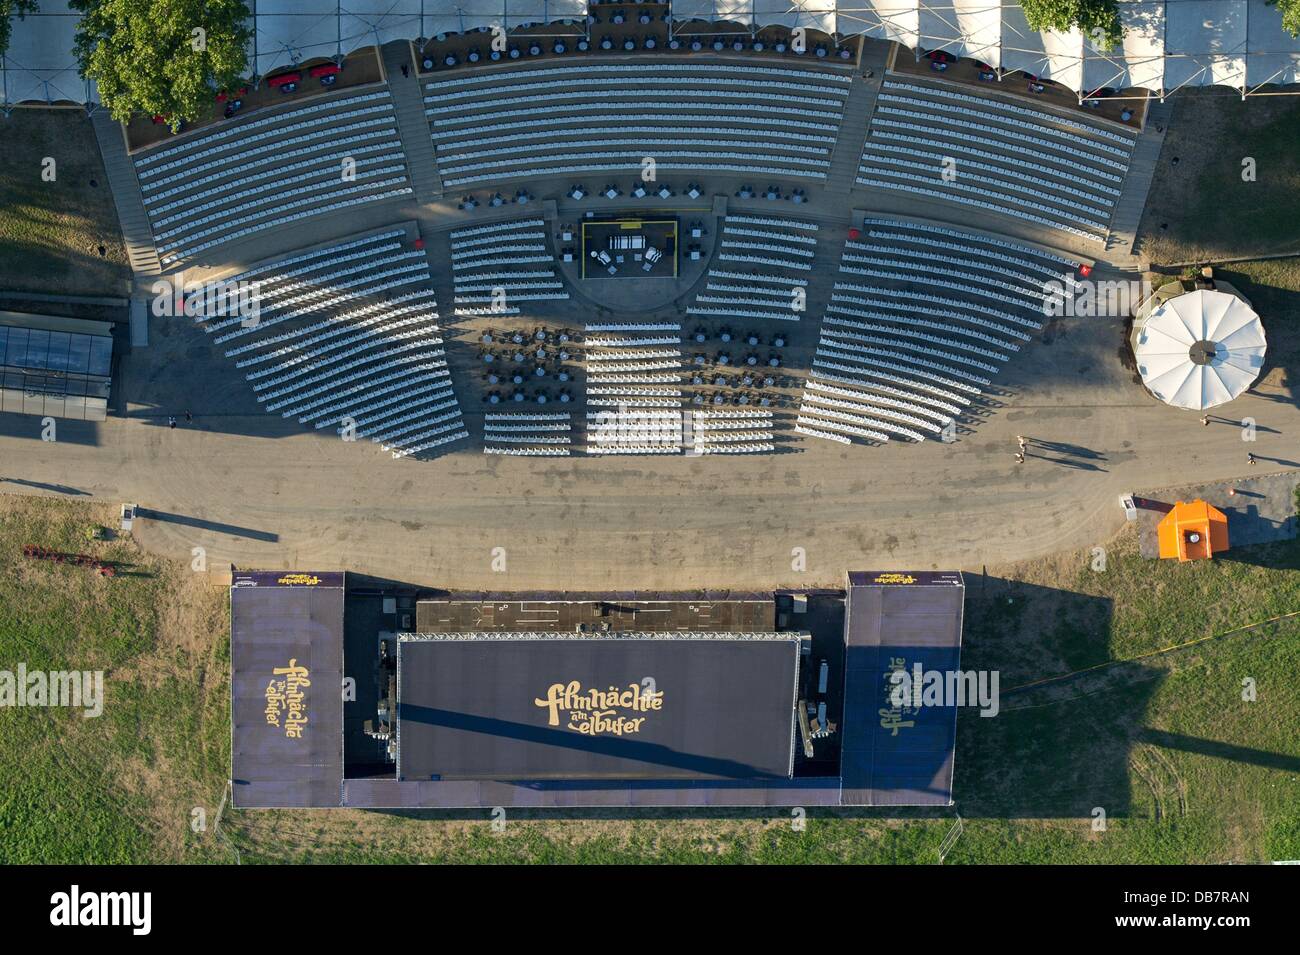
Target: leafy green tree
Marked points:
1290	15
162	57
8	10
1098	20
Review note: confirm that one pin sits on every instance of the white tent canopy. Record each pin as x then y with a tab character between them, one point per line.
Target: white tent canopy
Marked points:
1200	349
40	67
1168	44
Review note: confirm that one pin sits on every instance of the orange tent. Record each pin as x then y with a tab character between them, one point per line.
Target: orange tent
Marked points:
1193	531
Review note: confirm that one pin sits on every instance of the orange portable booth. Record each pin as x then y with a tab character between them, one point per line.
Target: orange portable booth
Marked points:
1193	531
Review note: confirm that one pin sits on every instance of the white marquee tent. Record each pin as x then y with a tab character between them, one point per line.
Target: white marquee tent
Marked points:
1200	349
1168	44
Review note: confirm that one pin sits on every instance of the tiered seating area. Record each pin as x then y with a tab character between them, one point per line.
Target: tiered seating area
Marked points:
580	117
760	270
920	320
1032	164
347	337
528	433
236	179
496	267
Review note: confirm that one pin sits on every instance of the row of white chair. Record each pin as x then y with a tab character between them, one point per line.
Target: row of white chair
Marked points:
366	245
905	362
912	323
541	151
355	289
671	157
1095	209
900	374
873	381
348	367
494	227
764	260
1001	106
529	452
430	445
414	328
240	129
858	423
884	395
1030	275
284	220
893	333
318	138
397	305
915	296
820	428
679	109
630	166
946	194
366	145
942	235
1040	141
735	448
1078	144
798	127
404	431
684	92
527	74
1099	179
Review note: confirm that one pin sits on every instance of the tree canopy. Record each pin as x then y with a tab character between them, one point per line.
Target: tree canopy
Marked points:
162	57
1290	15
1098	20
8	10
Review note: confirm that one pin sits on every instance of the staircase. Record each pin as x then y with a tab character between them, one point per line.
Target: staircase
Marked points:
861	103
1127	217
131	215
412	125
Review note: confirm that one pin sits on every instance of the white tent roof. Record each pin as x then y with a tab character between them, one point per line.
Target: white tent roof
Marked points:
1200	349
1169	44
40	67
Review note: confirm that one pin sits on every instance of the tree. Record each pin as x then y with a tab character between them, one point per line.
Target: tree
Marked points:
162	57
1098	20
1290	15
8	10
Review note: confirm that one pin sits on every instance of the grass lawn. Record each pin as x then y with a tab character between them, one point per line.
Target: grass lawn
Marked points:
1201	208
51	233
120	787
1184	769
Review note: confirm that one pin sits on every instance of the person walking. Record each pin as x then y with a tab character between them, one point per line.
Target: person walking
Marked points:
405	71
1250	458
1022	442
189	418
1020	457
171	421
1205	420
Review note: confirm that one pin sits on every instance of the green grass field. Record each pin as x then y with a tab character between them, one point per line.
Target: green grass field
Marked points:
1202	208
51	233
120	787
1184	769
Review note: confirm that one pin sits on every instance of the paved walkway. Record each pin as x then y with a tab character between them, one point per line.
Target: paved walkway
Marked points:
412	125
1122	239
126	195
847	156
